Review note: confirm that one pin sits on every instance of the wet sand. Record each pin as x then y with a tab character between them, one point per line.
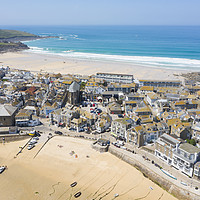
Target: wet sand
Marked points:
60	64
49	175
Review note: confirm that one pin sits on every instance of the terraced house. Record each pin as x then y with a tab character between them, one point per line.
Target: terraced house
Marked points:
160	83
164	147
120	127
117	78
142	135
184	158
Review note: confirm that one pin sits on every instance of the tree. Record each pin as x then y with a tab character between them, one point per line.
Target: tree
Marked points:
58	75
83	85
192	142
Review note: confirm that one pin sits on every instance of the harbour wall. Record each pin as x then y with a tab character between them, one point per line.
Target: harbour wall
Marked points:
163	183
12	138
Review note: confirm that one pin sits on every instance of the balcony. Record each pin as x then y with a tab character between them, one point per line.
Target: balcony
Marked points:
175	162
180	165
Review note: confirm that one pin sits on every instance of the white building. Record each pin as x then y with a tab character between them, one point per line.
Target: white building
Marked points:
184	157
120	127
117	78
164	147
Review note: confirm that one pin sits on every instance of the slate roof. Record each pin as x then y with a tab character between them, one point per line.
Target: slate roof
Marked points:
189	148
74	87
7	110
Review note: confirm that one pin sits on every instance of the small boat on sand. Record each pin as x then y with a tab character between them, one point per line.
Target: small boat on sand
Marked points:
73	184
78	194
2	169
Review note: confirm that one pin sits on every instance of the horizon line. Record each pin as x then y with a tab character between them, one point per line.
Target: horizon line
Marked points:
93	25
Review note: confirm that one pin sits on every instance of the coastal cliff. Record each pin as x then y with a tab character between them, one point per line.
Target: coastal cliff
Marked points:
12	47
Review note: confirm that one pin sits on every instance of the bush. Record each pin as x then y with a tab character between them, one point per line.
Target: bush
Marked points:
192	142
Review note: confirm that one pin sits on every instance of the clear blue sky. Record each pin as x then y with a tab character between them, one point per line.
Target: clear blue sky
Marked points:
100	12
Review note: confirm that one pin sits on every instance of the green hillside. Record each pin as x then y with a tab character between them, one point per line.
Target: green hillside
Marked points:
7	34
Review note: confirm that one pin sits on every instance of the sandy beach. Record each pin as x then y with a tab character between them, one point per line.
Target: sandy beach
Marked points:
60	64
49	175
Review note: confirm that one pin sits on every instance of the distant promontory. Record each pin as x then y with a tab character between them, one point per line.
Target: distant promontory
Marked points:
10	40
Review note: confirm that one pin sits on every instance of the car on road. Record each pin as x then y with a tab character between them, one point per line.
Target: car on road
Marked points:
58	132
121	143
116	144
35	138
81	130
72	129
30	146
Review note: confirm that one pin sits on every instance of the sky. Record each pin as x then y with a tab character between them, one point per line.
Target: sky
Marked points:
99	12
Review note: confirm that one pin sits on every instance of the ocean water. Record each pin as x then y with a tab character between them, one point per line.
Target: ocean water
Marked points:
154	46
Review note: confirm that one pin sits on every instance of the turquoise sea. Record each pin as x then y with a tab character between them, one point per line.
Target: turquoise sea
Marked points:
153	46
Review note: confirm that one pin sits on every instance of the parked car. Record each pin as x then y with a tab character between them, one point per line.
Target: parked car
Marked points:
30	146
81	130
99	110
32	142
58	132
116	144
121	143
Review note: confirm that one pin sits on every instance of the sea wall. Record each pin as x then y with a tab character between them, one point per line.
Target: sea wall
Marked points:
99	148
163	183
12	138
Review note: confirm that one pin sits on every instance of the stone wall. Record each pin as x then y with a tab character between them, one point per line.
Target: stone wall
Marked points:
163	183
100	148
13	137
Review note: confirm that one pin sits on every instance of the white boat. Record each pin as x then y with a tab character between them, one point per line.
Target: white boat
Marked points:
168	174
2	169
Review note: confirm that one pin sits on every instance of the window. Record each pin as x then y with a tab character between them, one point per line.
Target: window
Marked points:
191	157
185	155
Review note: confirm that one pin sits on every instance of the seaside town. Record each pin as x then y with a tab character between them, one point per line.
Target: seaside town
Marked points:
157	120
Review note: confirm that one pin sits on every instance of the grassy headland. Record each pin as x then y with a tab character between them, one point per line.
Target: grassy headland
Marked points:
10	40
8	34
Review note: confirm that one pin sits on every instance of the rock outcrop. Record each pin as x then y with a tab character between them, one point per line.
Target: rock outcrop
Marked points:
12	47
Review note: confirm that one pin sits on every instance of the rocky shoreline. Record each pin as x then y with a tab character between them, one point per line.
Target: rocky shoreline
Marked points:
192	76
14	44
12	47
